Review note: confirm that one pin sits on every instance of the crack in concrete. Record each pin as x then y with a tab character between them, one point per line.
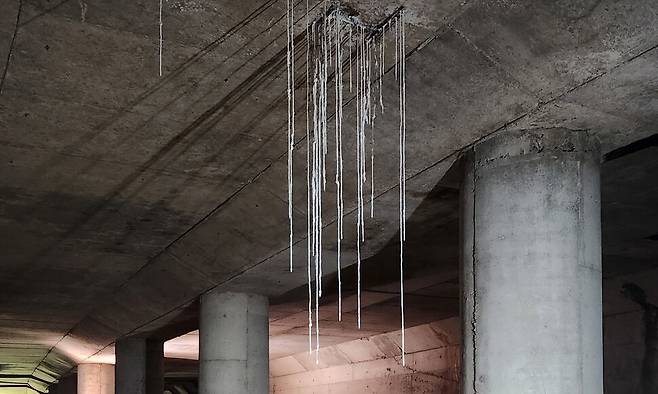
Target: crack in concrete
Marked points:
474	279
591	79
649	373
490	59
246	323
11	45
43	13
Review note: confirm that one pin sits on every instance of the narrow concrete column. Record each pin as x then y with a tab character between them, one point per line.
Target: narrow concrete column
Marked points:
95	379
234	344
531	265
154	366
140	366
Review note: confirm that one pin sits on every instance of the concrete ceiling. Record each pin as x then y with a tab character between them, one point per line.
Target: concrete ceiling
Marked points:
125	195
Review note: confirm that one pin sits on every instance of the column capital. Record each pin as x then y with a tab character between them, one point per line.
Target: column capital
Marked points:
515	144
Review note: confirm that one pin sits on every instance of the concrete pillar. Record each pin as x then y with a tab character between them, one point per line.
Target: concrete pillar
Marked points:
233	344
140	366
531	265
95	379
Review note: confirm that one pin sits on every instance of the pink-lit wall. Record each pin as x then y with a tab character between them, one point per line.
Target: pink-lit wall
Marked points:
372	365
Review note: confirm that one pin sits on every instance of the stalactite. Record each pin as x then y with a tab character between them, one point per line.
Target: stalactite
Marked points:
382	56
372	117
308	186
357	88
338	79
290	61
161	38
350	41
400	40
397	49
317	204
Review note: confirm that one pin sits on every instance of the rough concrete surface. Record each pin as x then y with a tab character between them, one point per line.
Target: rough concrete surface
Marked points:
372	365
125	196
531	269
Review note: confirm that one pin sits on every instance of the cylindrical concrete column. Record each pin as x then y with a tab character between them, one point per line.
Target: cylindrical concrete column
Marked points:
531	265
95	379
233	344
139	366
154	366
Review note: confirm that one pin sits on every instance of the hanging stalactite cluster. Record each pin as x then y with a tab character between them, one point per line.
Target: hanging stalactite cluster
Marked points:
160	42
327	40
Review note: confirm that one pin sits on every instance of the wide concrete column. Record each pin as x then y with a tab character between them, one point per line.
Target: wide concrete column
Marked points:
234	344
95	379
531	265
139	366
